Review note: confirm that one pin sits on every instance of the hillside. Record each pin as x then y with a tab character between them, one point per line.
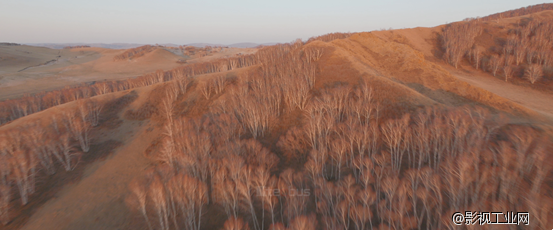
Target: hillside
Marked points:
377	130
27	69
491	44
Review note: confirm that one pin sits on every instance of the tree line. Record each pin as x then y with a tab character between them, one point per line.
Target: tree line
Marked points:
28	104
356	168
30	151
526	52
518	12
12	109
134	52
37	149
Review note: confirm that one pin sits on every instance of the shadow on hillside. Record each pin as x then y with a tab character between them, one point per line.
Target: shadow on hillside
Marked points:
444	97
109	118
49	186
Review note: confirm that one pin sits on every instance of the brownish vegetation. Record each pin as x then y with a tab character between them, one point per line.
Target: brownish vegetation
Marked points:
521	51
458	38
37	149
281	145
134	53
75	47
199	51
519	12
361	169
329	37
29	104
533	73
32	153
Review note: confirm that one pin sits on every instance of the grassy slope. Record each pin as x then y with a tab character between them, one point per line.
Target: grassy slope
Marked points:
400	65
27	69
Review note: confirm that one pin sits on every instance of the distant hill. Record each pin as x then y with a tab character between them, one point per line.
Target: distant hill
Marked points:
366	120
251	45
9	44
234	45
100	45
204	44
134	45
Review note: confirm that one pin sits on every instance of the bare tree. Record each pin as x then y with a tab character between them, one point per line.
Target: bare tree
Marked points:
507	72
494	64
22	162
38	142
530	56
476	54
393	133
390	186
190	195
63	151
157	194
304	223
293	143
363	214
414	177
159	75
5	181
520	53
182	83
102	88
458	38
508	60
246	190
348	192
79	130
140	195
172	90
24	170
533	73
168	109
234	223
294	193
95	111
313	53
220	83
5	197
205	88
225	185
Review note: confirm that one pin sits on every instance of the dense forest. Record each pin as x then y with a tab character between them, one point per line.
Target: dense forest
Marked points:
343	164
522	51
265	143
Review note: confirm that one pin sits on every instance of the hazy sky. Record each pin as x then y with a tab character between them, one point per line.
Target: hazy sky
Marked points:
223	21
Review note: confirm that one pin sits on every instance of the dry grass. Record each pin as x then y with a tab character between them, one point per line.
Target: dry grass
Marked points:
395	65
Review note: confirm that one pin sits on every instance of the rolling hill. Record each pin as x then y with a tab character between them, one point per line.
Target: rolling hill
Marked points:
355	131
28	69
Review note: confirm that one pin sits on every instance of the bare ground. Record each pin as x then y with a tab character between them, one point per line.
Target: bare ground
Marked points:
533	99
28	69
98	200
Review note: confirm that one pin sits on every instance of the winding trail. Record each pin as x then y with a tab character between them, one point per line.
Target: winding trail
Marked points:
97	201
538	101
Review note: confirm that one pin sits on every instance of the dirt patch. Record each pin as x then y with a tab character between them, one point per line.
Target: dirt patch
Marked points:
96	201
110	115
538	101
440	96
49	187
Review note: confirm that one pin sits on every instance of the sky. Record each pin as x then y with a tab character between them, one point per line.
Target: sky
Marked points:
224	21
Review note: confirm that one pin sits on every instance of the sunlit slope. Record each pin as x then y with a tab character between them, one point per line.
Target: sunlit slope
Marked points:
405	66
